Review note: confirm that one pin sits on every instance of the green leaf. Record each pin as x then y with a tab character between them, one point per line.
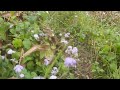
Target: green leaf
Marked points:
27	44
26	59
16	55
30	65
17	43
113	66
33	74
13	31
42	54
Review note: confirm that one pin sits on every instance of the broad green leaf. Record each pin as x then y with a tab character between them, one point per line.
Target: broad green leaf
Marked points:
27	44
17	43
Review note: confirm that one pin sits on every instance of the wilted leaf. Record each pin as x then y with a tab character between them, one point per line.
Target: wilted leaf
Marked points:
35	48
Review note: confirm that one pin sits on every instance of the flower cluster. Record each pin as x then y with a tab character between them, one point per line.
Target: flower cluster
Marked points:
73	51
18	68
70	62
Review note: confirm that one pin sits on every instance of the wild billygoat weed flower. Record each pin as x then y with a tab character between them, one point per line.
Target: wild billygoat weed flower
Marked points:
60	34
67	35
3	57
21	75
38	77
47	62
75	50
18	68
10	51
69	50
53	77
64	41
36	36
70	62
54	71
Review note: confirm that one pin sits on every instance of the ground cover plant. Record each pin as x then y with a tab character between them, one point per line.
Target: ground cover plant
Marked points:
59	44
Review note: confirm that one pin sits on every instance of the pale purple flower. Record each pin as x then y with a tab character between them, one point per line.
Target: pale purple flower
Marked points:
18	68
75	50
67	35
47	61
21	75
70	62
53	77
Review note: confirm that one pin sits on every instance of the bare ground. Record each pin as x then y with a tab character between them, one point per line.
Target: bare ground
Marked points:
84	64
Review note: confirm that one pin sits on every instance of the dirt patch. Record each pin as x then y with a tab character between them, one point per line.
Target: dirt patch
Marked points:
84	64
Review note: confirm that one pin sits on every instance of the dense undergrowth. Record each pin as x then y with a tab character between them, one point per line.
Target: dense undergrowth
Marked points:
44	44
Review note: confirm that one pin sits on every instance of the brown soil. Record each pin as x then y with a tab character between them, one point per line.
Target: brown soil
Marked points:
84	64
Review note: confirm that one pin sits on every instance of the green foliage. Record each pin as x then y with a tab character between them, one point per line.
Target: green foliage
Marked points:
100	37
27	43
17	43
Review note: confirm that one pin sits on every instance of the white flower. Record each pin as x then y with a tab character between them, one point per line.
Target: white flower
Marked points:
64	41
70	62
10	51
11	25
32	31
36	36
53	77
67	35
54	71
21	75
3	57
47	12
14	60
76	16
38	77
70	47
60	34
69	50
18	68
